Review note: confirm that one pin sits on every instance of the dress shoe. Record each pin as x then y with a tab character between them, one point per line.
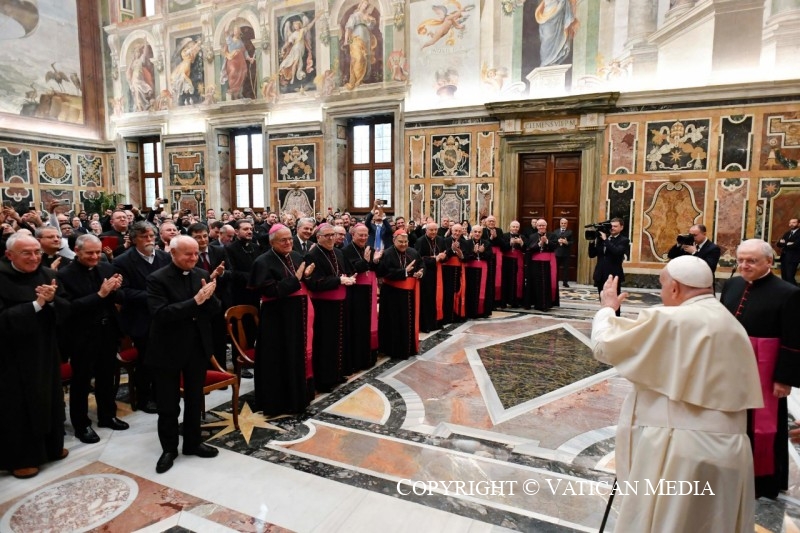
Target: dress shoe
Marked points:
566	285
114	423
25	473
165	461
64	454
87	435
247	374
149	407
202	450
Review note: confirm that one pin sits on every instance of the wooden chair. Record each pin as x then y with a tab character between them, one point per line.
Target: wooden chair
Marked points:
127	355
244	352
217	378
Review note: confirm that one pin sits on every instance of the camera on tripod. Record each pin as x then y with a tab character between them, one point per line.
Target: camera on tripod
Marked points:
593	231
686	240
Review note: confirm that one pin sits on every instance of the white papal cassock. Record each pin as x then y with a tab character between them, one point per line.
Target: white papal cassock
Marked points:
694	376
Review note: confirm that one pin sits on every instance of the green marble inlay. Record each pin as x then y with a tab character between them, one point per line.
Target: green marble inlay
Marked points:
528	367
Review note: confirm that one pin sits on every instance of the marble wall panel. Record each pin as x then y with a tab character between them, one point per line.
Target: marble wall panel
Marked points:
135	180
90	170
193	200
112	171
55	169
450	155
486	150
416	156
296	162
622	144
675	145
450	201
731	217
298	201
670	209
224	158
620	202
735	142
46	196
781	199
186	168
17	196
416	203
15	164
484	196
780	142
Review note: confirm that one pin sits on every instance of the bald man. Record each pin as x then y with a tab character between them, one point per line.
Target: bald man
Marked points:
694	376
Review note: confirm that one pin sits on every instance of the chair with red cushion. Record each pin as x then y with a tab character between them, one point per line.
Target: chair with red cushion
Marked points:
217	378
244	352
66	375
127	355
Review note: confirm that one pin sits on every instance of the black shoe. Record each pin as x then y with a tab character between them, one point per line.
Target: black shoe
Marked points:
149	407
165	461
87	435
202	450
247	374
114	423
566	285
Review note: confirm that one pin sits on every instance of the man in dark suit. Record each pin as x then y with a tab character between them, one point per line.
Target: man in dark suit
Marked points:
91	336
379	228
181	301
134	266
302	241
702	248
119	231
242	253
789	245
610	251
563	250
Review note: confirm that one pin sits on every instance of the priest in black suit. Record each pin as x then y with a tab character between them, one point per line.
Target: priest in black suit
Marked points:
789	245
563	250
542	279
182	302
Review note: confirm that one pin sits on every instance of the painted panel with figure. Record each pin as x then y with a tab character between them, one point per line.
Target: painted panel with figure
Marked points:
238	75
361	54
187	79
297	61
141	78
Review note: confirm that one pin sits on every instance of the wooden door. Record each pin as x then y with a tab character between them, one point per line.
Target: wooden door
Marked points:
550	188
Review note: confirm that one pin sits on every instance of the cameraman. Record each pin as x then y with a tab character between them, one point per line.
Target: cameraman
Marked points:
701	248
610	250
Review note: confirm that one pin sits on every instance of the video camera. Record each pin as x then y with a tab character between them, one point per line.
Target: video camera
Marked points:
592	231
686	240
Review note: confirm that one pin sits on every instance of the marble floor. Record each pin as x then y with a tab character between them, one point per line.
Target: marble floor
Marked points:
501	424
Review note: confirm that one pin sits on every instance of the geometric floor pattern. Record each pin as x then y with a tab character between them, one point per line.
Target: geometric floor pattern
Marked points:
496	426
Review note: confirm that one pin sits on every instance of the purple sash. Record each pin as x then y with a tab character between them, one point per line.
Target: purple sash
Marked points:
551	258
309	326
765	420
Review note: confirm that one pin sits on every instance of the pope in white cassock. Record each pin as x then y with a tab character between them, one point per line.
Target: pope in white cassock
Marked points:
694	376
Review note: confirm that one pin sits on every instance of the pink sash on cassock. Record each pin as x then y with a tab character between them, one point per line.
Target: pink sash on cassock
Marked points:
369	278
519	257
765	420
498	272
409	284
484	268
551	258
309	326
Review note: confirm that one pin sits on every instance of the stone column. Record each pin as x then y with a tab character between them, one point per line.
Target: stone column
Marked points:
642	15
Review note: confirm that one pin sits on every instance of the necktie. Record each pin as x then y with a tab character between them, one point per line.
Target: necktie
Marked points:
305	246
377	237
206	263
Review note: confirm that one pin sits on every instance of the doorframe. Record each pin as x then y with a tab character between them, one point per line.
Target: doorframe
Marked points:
585	142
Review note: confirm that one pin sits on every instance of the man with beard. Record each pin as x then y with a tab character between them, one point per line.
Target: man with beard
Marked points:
134	266
347	222
401	268
363	300
494	235
242	253
181	301
328	284
478	257
542	289
453	283
769	310
30	377
284	380
514	245
91	336
789	245
116	240
432	251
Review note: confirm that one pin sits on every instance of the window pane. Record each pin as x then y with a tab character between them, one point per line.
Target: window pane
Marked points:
149	8
361	144
242	191
241	146
383	186
383	143
161	192
158	157
149	191
149	162
361	188
258	152
258	190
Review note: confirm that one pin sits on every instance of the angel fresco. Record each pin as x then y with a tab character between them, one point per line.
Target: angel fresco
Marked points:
187	71
141	78
447	21
296	69
361	58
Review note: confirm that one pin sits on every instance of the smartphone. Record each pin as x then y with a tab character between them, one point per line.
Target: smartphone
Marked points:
64	202
127	206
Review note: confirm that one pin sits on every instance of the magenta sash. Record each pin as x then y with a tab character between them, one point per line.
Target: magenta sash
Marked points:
309	326
551	258
765	420
519	257
498	272
370	279
483	267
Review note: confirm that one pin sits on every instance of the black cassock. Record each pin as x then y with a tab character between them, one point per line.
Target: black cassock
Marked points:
331	316
513	270
770	309
282	383
362	353
30	370
452	274
480	281
397	321
428	249
541	288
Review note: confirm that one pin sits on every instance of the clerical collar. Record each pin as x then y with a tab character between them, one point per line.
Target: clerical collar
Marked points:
185	272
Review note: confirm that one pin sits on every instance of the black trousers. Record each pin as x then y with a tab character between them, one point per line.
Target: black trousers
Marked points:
168	394
143	380
789	271
562	263
98	359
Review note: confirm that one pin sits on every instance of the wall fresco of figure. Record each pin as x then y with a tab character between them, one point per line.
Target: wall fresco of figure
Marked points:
297	59
187	79
238	74
141	78
361	54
